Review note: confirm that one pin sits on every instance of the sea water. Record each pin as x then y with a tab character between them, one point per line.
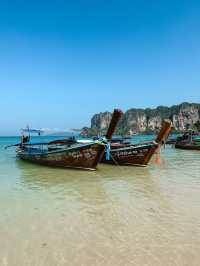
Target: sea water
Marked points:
114	216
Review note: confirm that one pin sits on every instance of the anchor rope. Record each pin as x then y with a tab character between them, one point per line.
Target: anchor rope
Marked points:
103	141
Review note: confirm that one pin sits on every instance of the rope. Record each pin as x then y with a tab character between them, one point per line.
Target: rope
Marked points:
103	141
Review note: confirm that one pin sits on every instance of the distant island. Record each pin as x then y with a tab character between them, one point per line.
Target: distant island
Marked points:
147	121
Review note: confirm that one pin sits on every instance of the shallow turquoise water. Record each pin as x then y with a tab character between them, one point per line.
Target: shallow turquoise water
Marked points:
114	216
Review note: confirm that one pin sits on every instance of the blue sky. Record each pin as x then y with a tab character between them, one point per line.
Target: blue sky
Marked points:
63	61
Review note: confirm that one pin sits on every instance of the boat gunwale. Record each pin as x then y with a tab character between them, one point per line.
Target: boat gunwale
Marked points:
131	147
46	152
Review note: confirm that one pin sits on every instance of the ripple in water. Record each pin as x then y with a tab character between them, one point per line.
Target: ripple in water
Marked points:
114	216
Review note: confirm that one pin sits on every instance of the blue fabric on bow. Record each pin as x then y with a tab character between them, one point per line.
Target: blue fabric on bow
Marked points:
108	151
104	141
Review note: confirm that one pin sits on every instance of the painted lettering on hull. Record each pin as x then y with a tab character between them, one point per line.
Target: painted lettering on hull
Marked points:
131	152
88	153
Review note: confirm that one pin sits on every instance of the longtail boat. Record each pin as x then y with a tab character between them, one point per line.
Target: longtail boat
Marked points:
171	141
137	154
188	141
62	153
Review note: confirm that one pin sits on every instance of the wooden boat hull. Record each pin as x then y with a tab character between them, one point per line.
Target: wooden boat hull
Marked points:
187	146
65	153
139	155
80	157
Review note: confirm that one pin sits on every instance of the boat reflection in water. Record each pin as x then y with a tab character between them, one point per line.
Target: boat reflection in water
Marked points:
103	184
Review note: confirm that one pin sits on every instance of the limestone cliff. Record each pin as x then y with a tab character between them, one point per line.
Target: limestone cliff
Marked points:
183	116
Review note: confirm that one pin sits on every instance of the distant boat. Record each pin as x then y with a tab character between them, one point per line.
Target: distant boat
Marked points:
171	141
129	137
188	141
66	153
137	154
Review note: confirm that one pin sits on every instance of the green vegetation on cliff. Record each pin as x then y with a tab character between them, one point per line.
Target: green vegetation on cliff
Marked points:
184	116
